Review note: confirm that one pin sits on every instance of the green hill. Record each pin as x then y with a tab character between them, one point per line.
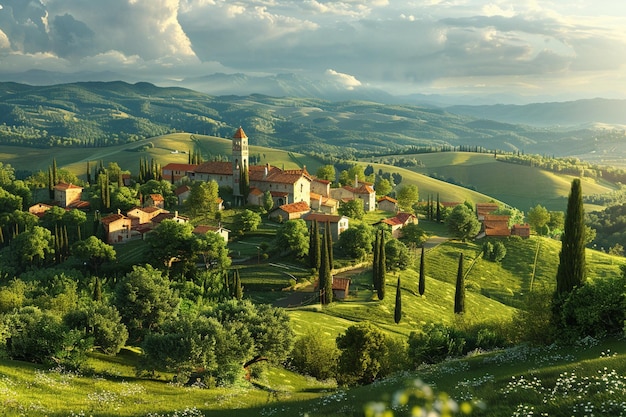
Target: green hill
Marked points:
520	186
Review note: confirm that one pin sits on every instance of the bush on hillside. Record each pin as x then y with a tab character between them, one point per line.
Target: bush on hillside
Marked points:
102	322
596	309
435	343
37	336
363	355
533	322
313	354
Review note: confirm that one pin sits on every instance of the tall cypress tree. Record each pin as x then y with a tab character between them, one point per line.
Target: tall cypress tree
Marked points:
422	282
329	243
97	290
459	295
382	267
50	184
572	264
438	210
397	313
238	286
88	173
314	246
325	278
375	265
55	172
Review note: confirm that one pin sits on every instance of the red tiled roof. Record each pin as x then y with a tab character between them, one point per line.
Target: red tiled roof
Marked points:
341	283
79	204
112	218
182	189
279	194
387	198
298	207
321	180
399	219
156	197
497	232
64	186
215	167
255	191
179	167
362	189
240	134
320	217
204	228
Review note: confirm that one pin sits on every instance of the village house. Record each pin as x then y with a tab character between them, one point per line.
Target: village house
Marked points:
175	172
397	222
182	193
39	209
483	209
155	200
323	204
496	225
364	191
340	286
290	211
166	215
338	224
117	228
69	195
143	215
388	204
204	229
522	230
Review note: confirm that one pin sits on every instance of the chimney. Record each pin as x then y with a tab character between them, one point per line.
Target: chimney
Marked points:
266	170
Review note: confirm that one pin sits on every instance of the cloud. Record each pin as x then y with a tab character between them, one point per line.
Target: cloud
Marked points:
347	80
415	44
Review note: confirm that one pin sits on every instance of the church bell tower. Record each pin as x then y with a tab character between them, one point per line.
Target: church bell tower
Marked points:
239	158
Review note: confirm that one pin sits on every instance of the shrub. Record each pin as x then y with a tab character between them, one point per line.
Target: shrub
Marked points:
103	323
313	354
41	337
533	322
596	309
435	343
363	354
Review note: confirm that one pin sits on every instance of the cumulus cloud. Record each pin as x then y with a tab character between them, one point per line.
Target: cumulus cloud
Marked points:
347	80
422	43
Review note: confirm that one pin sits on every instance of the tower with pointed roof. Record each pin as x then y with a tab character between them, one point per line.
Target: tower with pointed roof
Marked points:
239	157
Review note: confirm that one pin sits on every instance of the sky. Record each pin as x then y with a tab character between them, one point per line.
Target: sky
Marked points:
531	48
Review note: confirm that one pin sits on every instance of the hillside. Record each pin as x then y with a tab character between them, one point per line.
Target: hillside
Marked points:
97	114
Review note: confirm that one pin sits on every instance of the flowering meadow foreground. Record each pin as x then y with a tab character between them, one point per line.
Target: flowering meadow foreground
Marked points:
586	380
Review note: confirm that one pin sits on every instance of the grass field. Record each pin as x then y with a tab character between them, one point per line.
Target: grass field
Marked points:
519	186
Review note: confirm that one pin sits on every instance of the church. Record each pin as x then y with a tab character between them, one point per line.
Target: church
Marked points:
285	186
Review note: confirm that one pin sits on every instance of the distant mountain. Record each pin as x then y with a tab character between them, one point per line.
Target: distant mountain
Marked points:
97	114
43	77
284	85
570	113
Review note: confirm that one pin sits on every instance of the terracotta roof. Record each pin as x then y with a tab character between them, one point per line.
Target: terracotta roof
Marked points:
279	193
255	191
497	232
215	167
182	189
179	167
486	208
111	218
285	177
298	207
387	198
79	204
156	197
320	217
64	186
398	219
150	209
204	228
239	134
321	180
362	189
341	283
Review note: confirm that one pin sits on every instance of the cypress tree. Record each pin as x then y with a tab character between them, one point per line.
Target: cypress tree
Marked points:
329	243
50	184
375	265
397	313
438	210
325	278
422	282
238	286
97	290
314	246
382	267
459	295
55	172
571	272
88	173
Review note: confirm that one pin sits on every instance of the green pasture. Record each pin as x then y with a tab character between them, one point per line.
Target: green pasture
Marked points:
520	186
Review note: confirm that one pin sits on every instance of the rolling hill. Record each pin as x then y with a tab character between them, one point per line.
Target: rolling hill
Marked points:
98	114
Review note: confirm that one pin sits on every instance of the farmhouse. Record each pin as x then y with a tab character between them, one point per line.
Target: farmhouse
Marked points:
338	224
69	195
117	228
398	222
290	211
364	191
202	229
389	204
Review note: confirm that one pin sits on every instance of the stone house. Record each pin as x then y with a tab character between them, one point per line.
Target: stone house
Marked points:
117	228
338	224
388	204
290	211
68	195
398	222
